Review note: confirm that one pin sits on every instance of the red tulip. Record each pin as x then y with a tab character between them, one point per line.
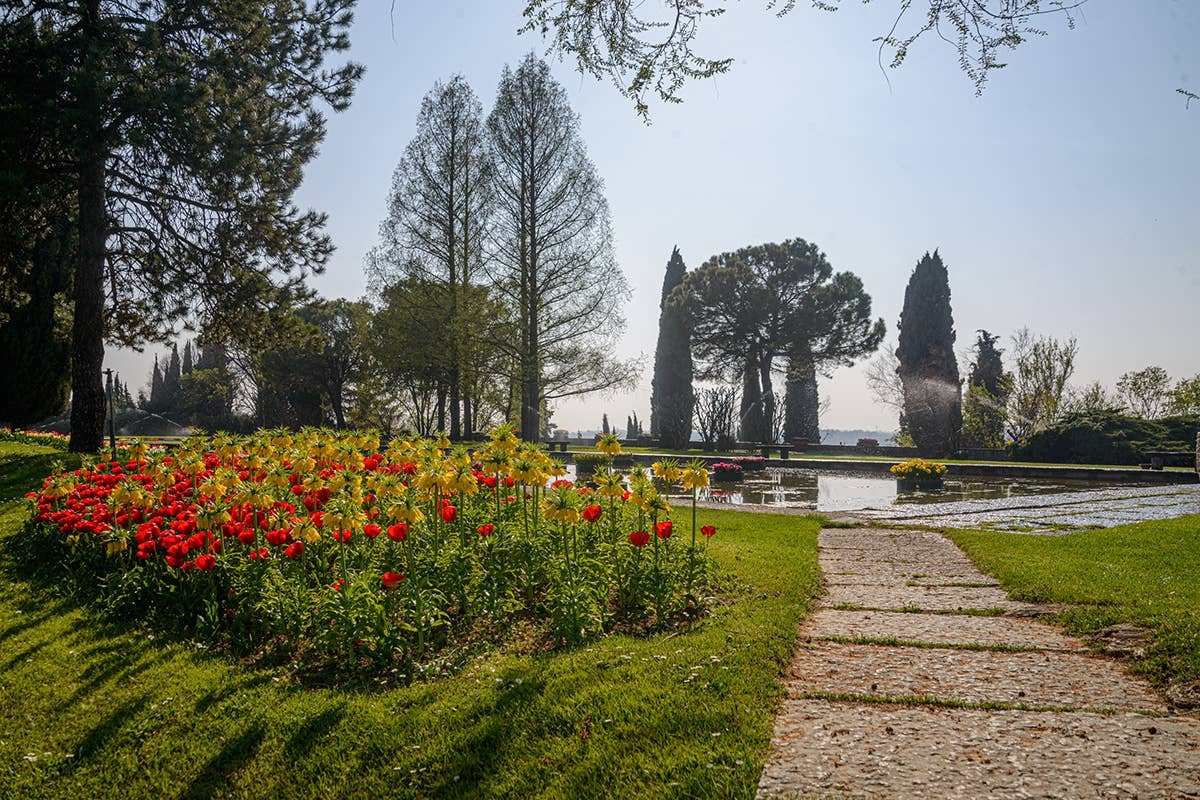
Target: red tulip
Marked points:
486	530
663	529
372	530
341	536
294	549
708	530
205	562
246	537
639	538
397	532
449	512
592	513
392	579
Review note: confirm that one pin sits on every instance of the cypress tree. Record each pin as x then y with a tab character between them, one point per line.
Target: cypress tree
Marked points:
984	404
187	359
604	425
928	369
171	379
156	388
671	396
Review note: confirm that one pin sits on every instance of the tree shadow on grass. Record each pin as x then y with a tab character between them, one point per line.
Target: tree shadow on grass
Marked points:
214	696
312	731
98	737
486	744
214	776
33	620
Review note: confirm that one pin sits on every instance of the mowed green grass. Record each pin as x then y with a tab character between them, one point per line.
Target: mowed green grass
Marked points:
1147	574
89	709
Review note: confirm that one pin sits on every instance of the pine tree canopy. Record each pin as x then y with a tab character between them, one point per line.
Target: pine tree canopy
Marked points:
182	129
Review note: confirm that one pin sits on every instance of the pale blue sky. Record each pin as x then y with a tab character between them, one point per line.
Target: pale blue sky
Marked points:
1066	198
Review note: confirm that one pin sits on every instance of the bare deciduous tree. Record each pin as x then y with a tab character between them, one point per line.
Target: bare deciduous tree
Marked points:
1042	366
716	413
552	246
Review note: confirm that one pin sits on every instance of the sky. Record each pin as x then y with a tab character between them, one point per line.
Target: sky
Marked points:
1065	198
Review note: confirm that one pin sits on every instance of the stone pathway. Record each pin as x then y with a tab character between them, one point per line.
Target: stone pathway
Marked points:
917	677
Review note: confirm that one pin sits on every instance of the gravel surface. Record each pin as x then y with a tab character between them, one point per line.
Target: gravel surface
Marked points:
843	731
1047	514
1034	679
956	629
824	749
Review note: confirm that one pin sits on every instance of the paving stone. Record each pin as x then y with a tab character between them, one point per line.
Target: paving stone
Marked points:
937	629
824	748
925	598
957	570
1036	679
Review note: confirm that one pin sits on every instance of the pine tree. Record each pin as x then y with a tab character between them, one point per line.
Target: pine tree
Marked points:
177	135
928	368
672	398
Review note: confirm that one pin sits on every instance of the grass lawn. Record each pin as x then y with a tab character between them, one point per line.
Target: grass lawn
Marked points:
1147	573
89	709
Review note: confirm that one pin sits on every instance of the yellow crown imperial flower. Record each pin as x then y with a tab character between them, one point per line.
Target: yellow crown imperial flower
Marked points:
667	469
695	476
609	443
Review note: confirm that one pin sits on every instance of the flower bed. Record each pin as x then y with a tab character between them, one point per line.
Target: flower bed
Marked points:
726	471
320	546
43	438
751	463
918	474
588	463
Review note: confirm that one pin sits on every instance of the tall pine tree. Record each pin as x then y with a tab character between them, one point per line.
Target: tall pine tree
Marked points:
671	395
177	135
928	368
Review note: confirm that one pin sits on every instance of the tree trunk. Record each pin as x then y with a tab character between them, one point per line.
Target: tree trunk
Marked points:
441	408
87	345
455	408
768	398
339	413
802	401
750	418
468	415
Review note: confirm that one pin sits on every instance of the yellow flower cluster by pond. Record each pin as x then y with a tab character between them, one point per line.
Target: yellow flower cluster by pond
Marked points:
918	468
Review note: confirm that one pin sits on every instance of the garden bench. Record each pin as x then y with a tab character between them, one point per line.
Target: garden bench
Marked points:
1158	458
561	445
784	450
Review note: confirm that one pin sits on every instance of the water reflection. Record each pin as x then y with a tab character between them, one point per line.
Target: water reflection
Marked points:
846	491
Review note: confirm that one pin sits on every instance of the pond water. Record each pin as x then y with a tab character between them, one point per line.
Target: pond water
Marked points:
850	491
847	491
